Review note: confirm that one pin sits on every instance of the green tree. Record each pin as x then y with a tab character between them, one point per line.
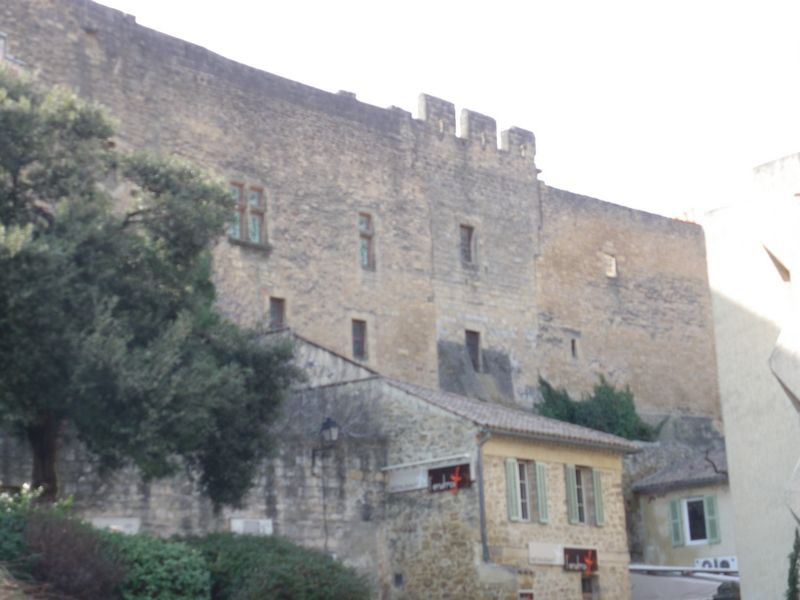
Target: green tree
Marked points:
108	321
606	409
793	589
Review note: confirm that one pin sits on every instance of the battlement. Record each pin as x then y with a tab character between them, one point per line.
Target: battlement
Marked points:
475	127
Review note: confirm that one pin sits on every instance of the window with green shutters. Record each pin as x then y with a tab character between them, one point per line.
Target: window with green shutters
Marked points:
526	490
694	521
584	491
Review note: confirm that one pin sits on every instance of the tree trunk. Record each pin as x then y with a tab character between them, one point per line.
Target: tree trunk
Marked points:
43	438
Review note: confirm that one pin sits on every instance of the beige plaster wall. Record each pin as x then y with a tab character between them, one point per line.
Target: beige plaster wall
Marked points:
658	548
508	541
751	304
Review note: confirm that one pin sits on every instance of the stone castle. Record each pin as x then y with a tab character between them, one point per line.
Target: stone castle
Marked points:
461	235
438	260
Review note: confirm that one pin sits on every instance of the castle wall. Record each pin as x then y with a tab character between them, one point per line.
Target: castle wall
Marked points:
648	326
534	280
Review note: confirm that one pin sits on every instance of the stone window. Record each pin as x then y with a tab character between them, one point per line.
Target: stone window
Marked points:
526	489
473	342
589	588
248	217
694	521
467	241
366	236
359	339
610	264
584	495
277	313
573	347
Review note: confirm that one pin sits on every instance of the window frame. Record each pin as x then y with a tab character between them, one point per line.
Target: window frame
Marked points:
584	495
472	342
275	301
527	480
687	526
355	325
245	210
468	251
366	235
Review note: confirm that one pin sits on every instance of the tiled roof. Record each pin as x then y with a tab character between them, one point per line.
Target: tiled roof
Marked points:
701	470
503	419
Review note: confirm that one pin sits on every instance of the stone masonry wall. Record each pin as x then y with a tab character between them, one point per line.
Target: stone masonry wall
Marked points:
649	326
535	280
508	541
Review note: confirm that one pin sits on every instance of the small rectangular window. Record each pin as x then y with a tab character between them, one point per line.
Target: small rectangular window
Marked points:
610	263
247	222
580	495
573	346
524	493
467	233
473	341
366	248
277	313
359	339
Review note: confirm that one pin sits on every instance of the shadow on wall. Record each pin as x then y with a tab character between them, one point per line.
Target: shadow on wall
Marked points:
493	382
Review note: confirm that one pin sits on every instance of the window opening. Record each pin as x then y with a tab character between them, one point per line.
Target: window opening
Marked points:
696	520
610	263
573	346
359	339
467	233
580	495
524	496
248	216
277	313
473	341
366	235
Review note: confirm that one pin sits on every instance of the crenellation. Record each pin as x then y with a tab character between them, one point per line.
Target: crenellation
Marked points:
519	141
437	113
478	127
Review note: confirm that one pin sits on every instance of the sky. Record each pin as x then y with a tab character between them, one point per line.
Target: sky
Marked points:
665	106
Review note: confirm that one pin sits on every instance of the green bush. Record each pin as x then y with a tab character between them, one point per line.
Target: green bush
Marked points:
166	570
14	511
262	568
606	409
72	557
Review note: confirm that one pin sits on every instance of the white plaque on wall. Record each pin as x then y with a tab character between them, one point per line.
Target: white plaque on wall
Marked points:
404	480
251	526
542	553
128	525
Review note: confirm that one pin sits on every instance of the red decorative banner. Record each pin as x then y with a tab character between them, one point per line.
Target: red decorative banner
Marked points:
449	479
580	559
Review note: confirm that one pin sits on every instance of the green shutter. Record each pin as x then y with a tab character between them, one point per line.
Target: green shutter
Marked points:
541	492
599	515
512	489
572	493
675	523
712	521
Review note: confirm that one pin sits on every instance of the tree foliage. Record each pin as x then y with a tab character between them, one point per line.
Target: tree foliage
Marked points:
107	310
606	409
793	589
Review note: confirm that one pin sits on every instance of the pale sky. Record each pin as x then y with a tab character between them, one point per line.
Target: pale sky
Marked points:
665	106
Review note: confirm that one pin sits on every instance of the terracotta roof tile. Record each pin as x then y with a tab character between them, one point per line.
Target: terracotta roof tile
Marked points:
500	418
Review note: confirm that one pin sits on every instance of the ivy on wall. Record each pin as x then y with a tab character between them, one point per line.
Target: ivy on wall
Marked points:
605	409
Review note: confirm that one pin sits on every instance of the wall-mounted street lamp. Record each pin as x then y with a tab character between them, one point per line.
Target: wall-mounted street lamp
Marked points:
329	432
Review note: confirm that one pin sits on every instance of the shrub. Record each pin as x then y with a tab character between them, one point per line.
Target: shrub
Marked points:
14	510
155	568
256	568
607	409
72	556
162	569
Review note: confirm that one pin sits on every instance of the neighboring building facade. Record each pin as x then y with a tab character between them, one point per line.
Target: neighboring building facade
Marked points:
687	515
431	494
434	258
753	252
